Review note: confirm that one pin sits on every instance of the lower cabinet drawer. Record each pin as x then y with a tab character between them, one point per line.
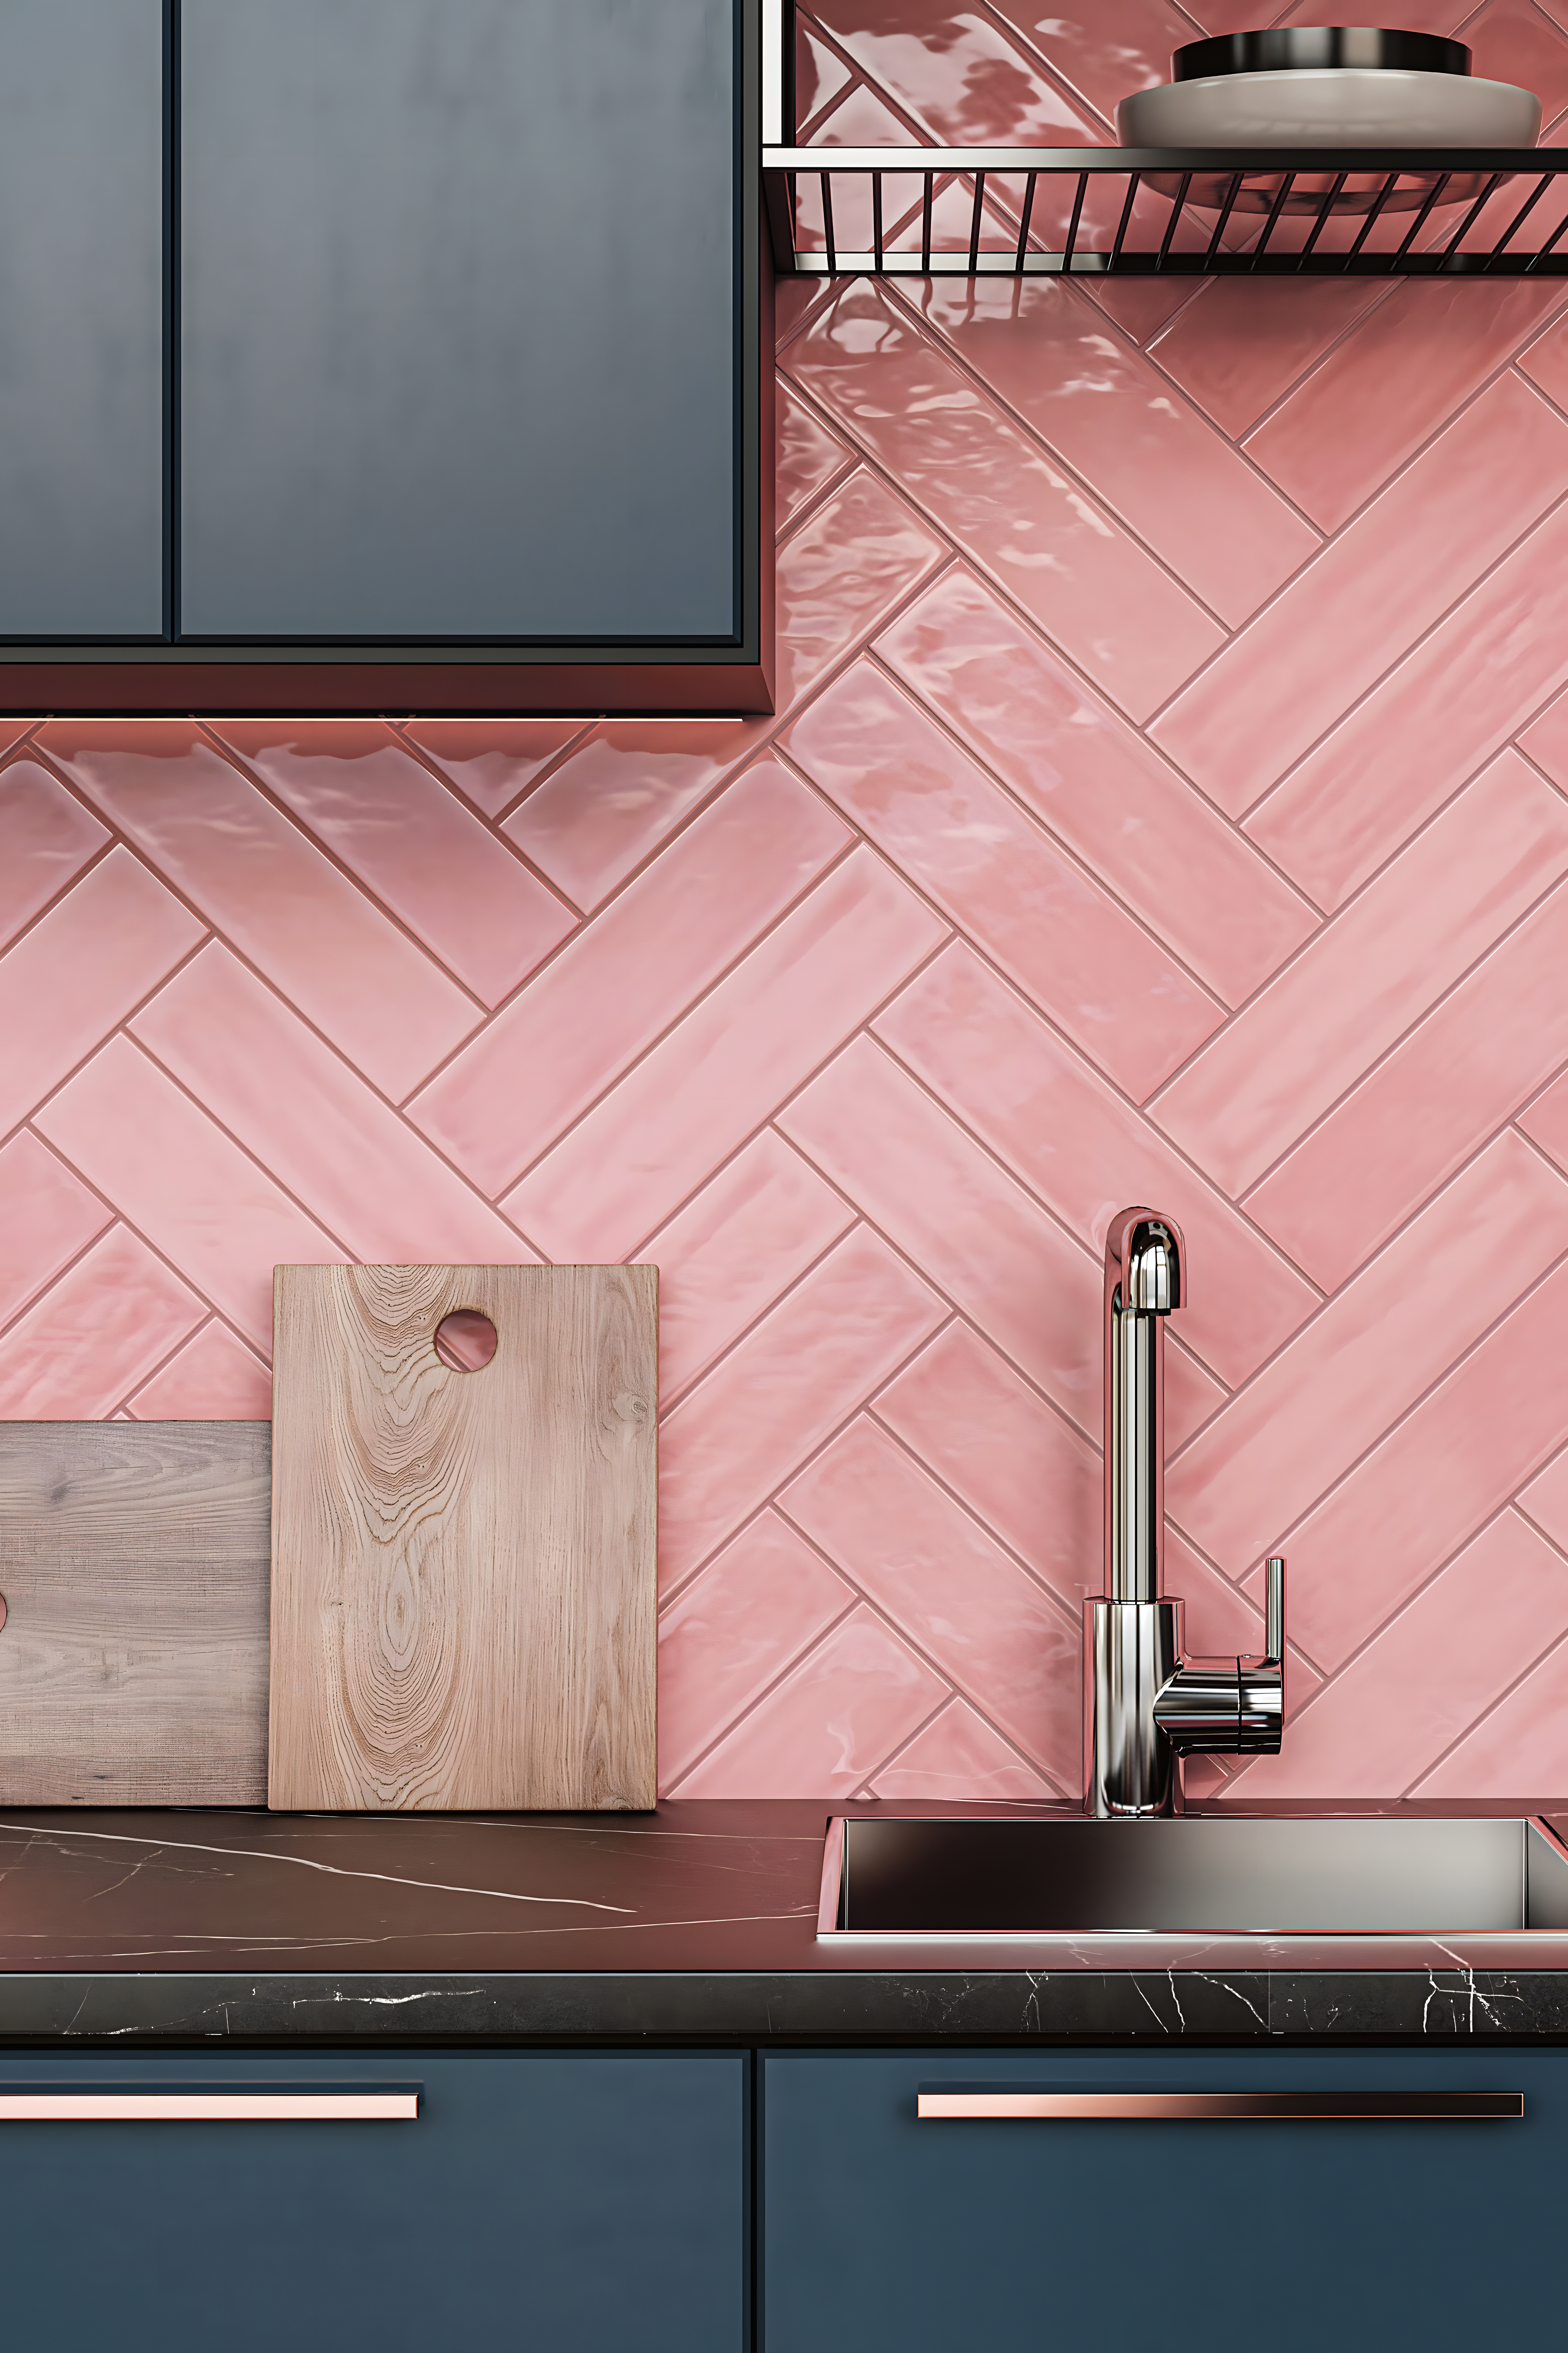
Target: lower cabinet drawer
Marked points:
590	2201
891	2232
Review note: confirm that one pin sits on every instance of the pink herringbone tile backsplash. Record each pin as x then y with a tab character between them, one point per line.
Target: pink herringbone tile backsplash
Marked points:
1168	801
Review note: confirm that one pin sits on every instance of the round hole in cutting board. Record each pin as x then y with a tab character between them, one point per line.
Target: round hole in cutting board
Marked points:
466	1340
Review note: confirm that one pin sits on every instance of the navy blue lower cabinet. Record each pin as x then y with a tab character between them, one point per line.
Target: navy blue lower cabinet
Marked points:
540	2203
890	2234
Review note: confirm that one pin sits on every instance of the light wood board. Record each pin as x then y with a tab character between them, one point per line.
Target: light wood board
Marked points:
133	1657
463	1563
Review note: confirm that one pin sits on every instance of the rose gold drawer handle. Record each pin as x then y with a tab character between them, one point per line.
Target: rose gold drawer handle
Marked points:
204	2107
1219	2107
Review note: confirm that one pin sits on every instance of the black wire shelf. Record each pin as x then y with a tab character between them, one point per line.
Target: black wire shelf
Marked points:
1049	212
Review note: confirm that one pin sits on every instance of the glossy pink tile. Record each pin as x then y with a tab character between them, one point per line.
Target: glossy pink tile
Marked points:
955	73
1103	53
1368	976
807	456
1545	362
833	1721
493	762
214	1377
985	483
1078	1144
1098	784
1546	1122
1403	1131
356	1166
1448	1655
988	865
734	1630
1031	1476
960	1757
1141	305
849	565
80	970
1431	535
721	1072
1545	1501
634	971
1395	380
1003	1262
1221	1620
1369	1353
261	882
1545	741
1519	1751
965	1604
820	76
1469	1445
1093	397
99	1330
724	1259
732	1440
462	893
47	1217
620	793
46	839
1241	345
181	1181
1513	40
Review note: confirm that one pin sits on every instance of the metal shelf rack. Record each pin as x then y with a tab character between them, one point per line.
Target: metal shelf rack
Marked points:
1025	212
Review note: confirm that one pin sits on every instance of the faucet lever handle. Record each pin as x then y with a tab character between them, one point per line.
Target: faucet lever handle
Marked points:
1274	1610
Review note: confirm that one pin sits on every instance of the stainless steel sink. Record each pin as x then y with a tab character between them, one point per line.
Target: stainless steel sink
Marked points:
1195	1875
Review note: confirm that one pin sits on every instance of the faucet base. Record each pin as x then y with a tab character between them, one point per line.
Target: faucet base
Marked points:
1133	1649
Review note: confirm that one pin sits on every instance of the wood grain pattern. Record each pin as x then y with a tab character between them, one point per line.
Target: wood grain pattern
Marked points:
463	1563
133	1662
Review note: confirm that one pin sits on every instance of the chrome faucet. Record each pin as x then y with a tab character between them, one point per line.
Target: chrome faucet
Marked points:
1146	1705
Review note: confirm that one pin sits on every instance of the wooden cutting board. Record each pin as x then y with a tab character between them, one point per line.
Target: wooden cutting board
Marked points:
133	1656
463	1562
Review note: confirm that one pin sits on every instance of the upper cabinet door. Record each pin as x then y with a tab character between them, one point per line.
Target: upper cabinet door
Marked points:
81	269
384	355
457	320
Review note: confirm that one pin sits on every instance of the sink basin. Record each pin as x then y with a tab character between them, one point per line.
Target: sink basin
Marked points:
1207	1876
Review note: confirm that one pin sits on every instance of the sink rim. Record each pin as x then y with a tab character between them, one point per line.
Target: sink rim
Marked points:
1167	1942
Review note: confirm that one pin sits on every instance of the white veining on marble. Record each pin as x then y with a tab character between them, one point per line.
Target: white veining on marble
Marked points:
304	1863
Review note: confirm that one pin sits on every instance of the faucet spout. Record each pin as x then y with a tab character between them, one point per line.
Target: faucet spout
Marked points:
1143	1254
1146	1704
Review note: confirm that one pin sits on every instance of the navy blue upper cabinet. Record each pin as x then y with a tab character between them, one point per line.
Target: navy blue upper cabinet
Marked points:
81	269
382	355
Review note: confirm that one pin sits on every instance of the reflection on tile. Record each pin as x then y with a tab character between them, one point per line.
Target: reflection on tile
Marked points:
849	563
943	823
1241	345
616	797
808	455
475	906
1098	784
258	878
1090	393
46	838
493	760
955	71
1090	585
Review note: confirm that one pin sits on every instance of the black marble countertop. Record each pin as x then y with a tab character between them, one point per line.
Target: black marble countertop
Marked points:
695	1922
